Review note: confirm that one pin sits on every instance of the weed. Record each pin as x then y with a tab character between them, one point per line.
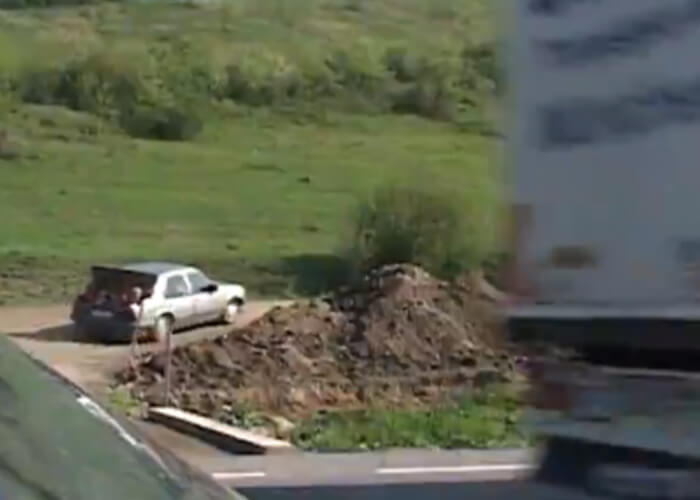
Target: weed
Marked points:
484	420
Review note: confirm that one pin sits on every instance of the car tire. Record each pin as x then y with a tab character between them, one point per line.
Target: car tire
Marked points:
80	334
163	328
231	311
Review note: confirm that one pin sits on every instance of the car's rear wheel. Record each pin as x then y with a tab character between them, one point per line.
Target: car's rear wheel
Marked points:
80	333
163	328
231	311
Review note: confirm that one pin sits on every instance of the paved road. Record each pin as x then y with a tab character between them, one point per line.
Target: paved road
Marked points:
394	474
520	490
392	466
302	469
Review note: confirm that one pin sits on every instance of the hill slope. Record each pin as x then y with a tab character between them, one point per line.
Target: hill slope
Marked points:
302	110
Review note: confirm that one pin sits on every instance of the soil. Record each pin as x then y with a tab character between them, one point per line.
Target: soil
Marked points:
400	337
44	332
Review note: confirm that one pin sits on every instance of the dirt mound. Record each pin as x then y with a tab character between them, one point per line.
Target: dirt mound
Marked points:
399	337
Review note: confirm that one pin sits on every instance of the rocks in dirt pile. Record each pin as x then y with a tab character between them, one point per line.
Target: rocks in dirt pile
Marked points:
399	337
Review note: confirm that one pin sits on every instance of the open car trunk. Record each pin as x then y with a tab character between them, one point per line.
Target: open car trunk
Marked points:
103	309
109	287
118	281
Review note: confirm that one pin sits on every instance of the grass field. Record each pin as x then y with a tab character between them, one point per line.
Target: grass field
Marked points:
263	194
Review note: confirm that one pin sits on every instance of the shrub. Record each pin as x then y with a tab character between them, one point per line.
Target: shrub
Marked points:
401	64
99	84
156	105
7	89
414	225
428	86
161	122
263	78
354	5
152	92
359	72
186	70
481	68
39	86
289	12
26	4
9	148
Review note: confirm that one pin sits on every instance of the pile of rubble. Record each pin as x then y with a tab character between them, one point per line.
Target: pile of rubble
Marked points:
400	337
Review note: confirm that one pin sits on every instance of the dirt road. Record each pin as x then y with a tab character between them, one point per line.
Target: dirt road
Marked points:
45	333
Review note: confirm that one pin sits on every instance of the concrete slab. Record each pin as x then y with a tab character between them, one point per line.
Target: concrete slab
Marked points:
225	437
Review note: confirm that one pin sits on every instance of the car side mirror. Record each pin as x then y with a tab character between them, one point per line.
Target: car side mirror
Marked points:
210	288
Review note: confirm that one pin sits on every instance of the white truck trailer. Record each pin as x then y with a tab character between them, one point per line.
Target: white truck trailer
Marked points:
604	147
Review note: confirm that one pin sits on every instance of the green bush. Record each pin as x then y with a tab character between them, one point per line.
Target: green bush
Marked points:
9	149
428	86
153	106
443	86
401	64
263	78
412	225
359	73
26	4
98	84
150	92
185	71
269	89
481	69
161	122
39	86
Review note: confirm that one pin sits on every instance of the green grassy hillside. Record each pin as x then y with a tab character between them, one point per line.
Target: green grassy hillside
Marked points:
277	118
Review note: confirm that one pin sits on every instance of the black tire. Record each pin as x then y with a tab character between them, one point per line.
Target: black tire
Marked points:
80	334
569	462
566	462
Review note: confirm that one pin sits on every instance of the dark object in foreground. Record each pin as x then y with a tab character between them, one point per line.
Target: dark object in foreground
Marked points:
56	442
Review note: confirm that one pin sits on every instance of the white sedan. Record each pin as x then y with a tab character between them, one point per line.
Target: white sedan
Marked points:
156	297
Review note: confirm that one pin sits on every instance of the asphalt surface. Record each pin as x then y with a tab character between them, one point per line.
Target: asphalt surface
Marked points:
393	474
385	467
404	474
297	468
520	490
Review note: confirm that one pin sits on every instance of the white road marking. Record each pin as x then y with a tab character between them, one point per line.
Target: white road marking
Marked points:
454	469
457	469
223	476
